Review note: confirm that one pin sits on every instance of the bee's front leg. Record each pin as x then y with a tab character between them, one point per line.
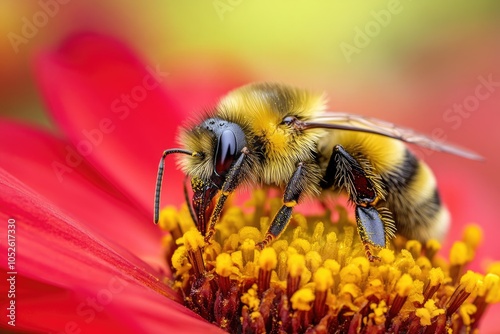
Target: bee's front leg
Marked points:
365	189
231	182
291	197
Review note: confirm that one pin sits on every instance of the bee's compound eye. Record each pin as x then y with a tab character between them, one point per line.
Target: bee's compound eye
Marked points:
289	120
226	152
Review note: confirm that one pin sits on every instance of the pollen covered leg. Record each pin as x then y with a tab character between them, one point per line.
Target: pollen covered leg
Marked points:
364	188
232	181
291	197
375	228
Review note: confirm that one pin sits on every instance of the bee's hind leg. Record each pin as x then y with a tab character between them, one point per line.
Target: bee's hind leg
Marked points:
364	188
291	197
372	229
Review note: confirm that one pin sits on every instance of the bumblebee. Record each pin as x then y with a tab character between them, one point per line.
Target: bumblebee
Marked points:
276	135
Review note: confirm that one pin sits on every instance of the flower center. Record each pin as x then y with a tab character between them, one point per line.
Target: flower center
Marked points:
316	277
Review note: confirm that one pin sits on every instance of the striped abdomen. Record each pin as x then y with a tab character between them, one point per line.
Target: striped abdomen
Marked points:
408	185
413	198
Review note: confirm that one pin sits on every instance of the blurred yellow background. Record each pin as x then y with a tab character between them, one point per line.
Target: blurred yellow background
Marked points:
422	53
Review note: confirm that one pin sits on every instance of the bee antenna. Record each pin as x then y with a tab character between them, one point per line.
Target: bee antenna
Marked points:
160	177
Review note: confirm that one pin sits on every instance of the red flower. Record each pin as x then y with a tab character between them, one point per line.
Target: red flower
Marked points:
88	257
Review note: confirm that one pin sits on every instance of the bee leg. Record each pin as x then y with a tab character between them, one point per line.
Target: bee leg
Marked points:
375	224
232	181
188	202
290	198
371	229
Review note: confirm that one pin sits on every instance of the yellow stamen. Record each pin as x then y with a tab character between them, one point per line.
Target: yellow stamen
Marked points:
414	247
351	289
301	245
432	246
268	259
466	312
488	292
472	236
428	312
296	265
267	262
404	285
180	262
194	242
403	288
168	220
301	299
248	251
249	232
313	260
468	283
458	253
436	278
251	299
316	277
459	256
296	268
350	274
494	268
386	255
224	268
323	281
379	312
491	288
333	266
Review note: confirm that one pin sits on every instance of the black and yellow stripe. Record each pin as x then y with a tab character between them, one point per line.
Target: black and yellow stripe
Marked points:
409	186
414	200
402	183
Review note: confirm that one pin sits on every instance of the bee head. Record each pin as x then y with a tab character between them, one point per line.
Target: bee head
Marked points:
218	144
227	141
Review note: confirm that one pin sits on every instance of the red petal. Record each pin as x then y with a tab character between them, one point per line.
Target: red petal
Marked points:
156	314
113	307
469	201
58	247
489	322
114	110
39	159
42	301
59	253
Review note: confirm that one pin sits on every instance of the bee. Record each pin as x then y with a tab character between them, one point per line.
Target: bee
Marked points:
276	135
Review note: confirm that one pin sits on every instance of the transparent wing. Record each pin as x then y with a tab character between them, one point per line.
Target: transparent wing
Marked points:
346	121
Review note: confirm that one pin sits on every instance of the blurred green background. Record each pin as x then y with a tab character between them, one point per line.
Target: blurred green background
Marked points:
408	62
